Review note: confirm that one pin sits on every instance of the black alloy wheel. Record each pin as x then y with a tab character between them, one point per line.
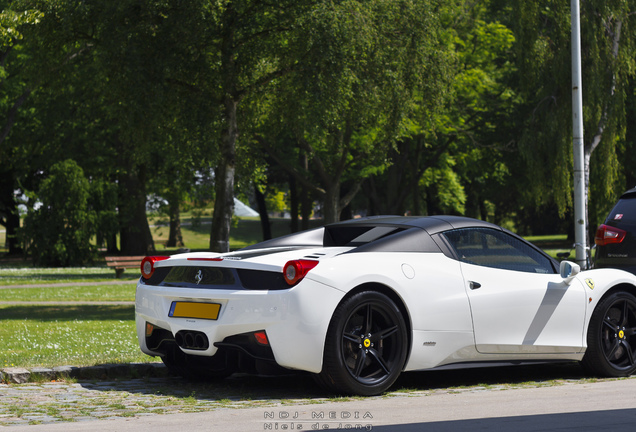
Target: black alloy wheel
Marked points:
612	336
366	345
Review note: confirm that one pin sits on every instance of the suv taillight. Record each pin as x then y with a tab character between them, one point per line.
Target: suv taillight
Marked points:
607	235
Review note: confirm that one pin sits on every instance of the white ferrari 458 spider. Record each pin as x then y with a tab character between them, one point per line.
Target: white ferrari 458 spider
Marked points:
358	302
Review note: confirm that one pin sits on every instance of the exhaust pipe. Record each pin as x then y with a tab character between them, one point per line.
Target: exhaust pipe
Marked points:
200	341
192	340
188	339
178	338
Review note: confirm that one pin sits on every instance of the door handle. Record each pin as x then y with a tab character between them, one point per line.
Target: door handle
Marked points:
474	285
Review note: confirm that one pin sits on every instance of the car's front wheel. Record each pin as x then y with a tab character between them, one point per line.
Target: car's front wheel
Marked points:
611	337
366	345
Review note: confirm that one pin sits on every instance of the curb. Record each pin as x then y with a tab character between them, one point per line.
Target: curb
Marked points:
17	375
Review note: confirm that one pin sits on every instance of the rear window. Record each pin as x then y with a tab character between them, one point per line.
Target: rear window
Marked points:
348	235
624	211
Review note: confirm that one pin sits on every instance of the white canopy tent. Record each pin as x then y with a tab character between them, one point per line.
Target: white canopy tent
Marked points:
243	210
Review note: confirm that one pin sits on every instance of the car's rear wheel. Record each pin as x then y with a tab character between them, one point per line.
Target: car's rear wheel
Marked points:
611	337
366	345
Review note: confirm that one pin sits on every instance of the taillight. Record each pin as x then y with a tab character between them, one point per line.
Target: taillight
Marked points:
148	265
607	235
261	337
294	271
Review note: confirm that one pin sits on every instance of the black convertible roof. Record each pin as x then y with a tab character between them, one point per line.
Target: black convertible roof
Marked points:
432	224
378	233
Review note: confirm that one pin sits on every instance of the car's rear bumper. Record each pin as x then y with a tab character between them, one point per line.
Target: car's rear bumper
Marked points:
295	320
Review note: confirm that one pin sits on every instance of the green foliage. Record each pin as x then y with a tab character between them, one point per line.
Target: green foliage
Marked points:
275	201
445	184
103	200
544	59
10	22
545	74
423	106
363	67
58	232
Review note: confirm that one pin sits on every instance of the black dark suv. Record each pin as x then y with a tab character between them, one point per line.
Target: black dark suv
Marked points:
616	238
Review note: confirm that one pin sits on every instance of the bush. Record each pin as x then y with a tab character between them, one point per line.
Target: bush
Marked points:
58	231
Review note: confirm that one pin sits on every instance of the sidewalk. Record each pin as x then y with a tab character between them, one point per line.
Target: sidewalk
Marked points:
168	404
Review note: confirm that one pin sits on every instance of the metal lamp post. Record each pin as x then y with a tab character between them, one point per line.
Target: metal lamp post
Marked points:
580	226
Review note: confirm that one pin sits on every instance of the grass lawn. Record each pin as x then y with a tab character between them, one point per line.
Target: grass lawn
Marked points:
553	244
74	293
59	335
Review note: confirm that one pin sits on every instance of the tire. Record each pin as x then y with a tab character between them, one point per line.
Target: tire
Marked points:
365	347
611	337
196	367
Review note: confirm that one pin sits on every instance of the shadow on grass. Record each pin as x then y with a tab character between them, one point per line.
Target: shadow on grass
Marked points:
45	278
68	313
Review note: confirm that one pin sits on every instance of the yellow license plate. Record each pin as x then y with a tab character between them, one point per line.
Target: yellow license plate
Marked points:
194	310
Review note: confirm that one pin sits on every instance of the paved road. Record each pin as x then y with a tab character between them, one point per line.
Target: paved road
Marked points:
580	406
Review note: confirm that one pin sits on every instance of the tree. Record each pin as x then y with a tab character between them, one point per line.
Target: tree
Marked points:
120	95
366	64
15	88
58	231
451	157
543	30
248	47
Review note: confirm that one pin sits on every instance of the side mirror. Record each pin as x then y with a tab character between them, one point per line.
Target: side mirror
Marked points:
568	270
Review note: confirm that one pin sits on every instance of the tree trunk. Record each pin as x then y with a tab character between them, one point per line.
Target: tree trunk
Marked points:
224	182
111	244
224	172
262	211
223	206
305	197
330	210
293	198
346	213
9	212
135	235
175	237
305	208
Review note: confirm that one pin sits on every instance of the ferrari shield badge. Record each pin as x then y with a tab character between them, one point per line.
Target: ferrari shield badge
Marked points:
590	283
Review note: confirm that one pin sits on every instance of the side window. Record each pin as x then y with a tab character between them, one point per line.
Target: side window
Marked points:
492	248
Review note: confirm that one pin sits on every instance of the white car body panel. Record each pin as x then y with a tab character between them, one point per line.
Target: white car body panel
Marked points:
537	313
434	295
